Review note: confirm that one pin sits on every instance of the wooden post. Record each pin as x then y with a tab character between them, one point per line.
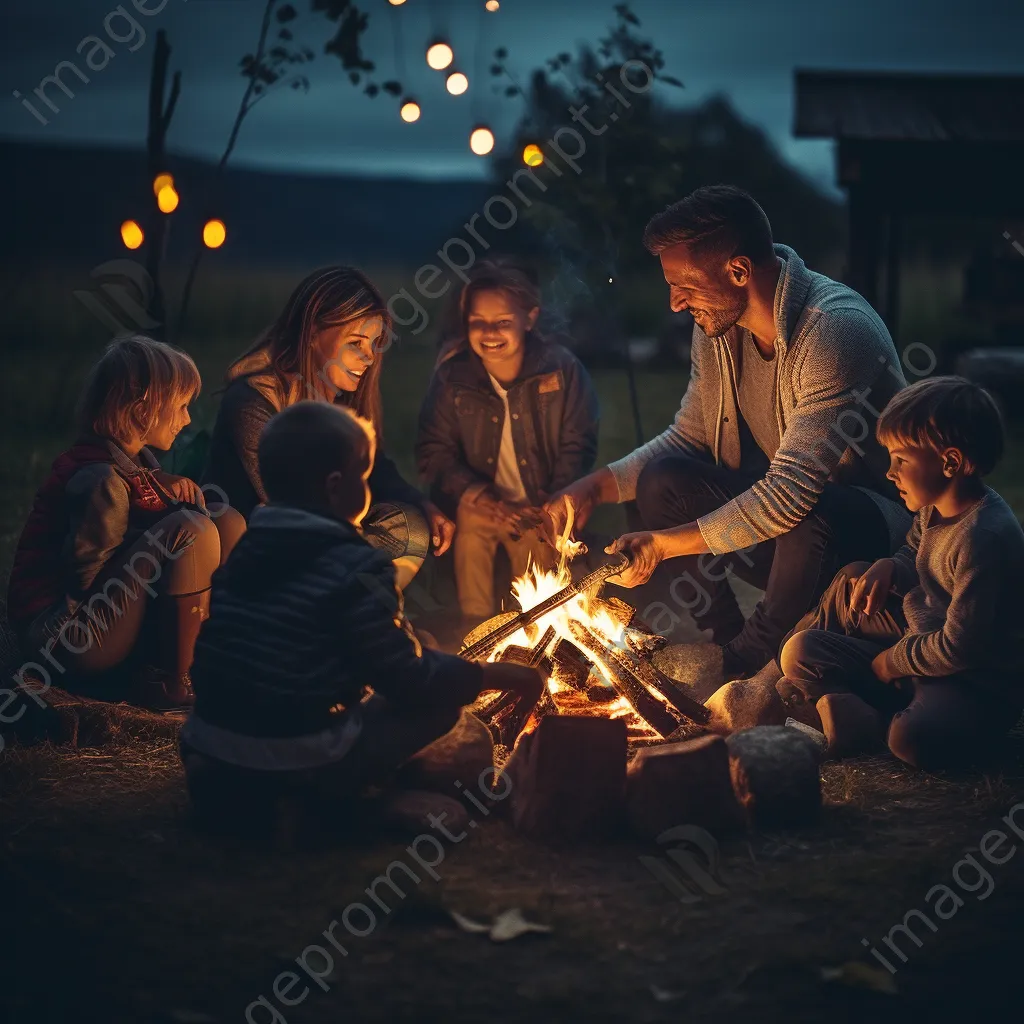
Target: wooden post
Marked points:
159	121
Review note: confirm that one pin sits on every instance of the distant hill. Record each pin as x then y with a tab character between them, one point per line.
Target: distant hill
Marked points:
63	206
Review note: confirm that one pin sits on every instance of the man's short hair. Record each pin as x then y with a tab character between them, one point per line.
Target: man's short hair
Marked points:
717	220
946	412
301	446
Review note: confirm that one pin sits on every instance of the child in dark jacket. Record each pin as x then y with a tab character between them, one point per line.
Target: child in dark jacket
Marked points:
508	420
938	629
113	543
305	619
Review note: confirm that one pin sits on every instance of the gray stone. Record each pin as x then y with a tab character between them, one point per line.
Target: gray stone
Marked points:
743	704
460	755
775	775
684	783
696	667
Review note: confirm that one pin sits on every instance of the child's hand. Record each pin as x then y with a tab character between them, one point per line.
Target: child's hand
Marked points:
871	590
880	665
442	529
182	489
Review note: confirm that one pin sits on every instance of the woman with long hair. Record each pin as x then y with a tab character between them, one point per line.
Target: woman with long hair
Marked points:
327	345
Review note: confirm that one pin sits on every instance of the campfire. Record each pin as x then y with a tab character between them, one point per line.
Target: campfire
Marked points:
594	651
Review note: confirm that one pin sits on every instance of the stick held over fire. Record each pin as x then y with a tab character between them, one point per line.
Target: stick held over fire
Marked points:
486	644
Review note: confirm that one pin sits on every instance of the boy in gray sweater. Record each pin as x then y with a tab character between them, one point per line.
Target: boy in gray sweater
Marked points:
935	633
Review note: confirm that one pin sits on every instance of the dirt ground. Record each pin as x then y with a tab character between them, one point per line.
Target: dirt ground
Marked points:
117	909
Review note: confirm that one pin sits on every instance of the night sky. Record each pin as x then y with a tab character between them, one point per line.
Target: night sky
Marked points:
747	49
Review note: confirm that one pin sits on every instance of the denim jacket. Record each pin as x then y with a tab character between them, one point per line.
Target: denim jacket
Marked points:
554	413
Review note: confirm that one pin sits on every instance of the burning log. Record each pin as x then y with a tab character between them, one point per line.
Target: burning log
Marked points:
625	680
673	693
486	644
570	665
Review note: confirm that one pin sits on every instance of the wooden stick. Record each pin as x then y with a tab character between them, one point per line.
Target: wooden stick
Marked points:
629	685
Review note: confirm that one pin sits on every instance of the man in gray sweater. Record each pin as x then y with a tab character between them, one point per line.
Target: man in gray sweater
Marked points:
938	629
771	461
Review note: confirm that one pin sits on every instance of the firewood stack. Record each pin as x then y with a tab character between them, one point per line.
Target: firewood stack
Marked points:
582	688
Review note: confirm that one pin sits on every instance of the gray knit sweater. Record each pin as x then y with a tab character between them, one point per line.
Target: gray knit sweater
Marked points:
963	601
836	367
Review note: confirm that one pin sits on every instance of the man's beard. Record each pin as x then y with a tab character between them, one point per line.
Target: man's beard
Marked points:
715	322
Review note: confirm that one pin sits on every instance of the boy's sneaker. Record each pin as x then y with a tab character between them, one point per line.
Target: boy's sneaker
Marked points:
851	726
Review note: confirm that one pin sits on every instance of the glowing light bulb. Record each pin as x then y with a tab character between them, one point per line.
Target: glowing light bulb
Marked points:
167	199
162	181
396	3
492	5
481	141
457	83
410	111
131	234
532	156
439	56
214	234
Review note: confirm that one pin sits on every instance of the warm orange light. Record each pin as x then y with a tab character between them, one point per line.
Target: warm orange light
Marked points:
439	56
532	156
396	3
410	111
457	83
214	234
492	5
481	141
162	181
167	199
131	234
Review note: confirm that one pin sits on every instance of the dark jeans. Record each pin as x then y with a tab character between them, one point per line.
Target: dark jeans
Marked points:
391	736
939	722
793	570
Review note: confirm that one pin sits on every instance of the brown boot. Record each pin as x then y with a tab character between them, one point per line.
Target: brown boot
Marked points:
179	620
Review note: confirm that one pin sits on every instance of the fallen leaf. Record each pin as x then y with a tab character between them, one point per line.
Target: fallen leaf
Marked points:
511	924
473	927
861	975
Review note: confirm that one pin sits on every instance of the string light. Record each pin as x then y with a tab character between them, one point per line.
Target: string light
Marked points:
457	83
167	199
439	55
214	234
162	181
492	5
481	141
410	111
131	234
532	155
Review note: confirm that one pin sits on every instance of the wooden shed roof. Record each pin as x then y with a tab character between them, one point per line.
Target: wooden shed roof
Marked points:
909	106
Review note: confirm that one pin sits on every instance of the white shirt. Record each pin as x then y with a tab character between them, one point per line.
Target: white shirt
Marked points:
507	480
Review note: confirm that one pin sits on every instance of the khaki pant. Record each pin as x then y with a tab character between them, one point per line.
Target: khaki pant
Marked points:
477	537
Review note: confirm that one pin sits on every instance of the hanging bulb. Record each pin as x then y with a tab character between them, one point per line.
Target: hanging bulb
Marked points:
162	181
214	234
457	83
481	141
410	110
396	3
167	199
439	55
532	155
131	234
491	5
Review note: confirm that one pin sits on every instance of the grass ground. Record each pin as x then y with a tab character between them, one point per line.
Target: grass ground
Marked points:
116	909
